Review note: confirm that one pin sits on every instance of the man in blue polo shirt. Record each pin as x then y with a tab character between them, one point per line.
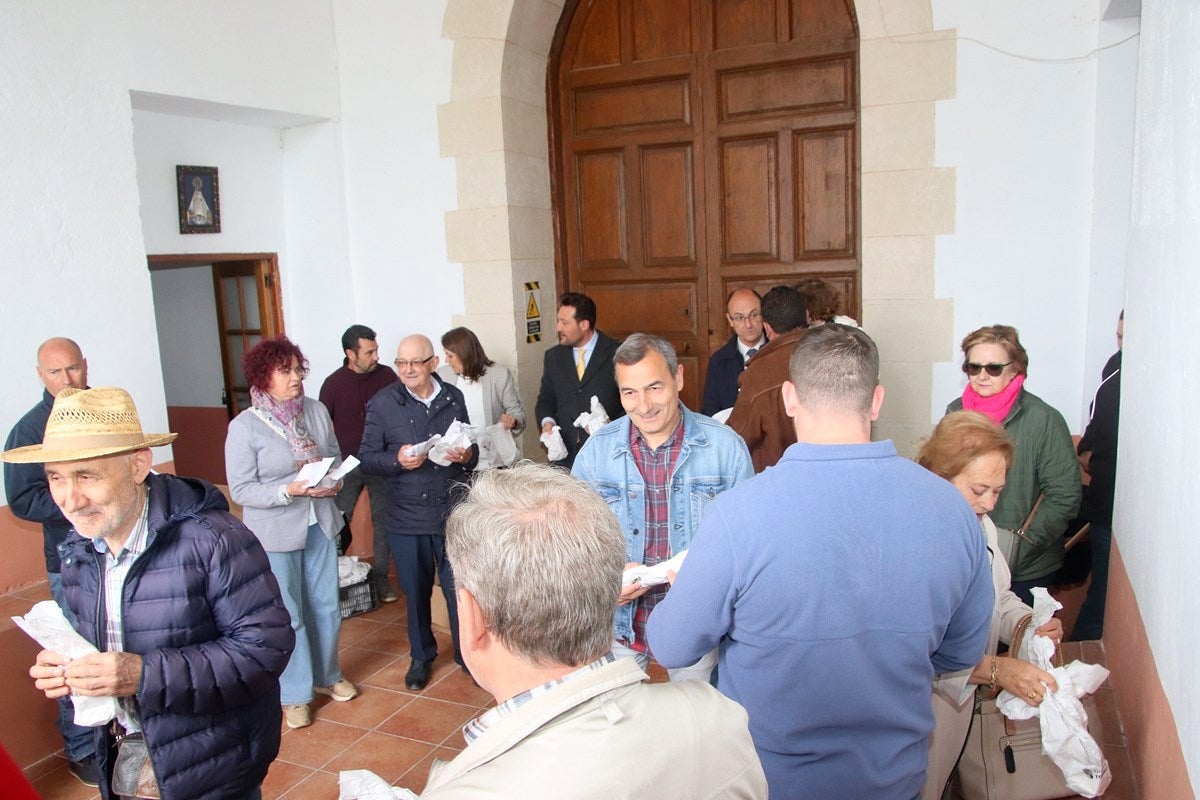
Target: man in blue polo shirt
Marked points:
836	585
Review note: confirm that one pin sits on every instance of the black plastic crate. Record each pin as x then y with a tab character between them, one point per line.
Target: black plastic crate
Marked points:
358	598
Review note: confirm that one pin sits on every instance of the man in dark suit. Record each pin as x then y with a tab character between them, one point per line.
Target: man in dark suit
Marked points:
744	312
579	367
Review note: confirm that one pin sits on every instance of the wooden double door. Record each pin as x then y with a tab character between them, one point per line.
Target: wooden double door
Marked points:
702	146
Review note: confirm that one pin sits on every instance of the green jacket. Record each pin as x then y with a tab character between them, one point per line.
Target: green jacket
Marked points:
1045	462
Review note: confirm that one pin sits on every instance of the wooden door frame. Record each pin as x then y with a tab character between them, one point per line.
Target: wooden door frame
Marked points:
273	304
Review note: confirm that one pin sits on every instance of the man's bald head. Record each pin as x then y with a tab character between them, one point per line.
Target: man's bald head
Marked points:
744	312
60	364
415	363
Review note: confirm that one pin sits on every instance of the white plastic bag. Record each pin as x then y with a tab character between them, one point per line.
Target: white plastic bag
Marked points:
556	448
499	446
1063	721
594	420
362	784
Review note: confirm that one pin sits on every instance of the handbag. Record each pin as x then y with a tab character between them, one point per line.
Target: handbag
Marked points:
133	774
1003	758
1010	541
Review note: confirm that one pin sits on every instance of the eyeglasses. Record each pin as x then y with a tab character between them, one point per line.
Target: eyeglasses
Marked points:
995	370
738	319
416	362
300	372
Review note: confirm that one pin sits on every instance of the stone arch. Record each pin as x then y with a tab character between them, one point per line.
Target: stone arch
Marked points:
495	127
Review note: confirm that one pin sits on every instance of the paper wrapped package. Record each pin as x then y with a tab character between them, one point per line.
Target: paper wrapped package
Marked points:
1062	718
655	575
422	448
457	437
49	628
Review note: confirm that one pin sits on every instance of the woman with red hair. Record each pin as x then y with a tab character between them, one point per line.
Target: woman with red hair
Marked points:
296	523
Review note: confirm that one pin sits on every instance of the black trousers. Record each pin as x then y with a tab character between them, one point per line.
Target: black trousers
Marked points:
418	557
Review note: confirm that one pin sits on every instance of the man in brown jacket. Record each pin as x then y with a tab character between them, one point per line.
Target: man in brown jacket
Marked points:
758	415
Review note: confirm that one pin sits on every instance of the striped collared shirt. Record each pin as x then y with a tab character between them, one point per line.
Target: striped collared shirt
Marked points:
478	726
116	569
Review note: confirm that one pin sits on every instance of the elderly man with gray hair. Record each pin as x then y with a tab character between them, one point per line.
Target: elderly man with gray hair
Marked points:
538	559
178	598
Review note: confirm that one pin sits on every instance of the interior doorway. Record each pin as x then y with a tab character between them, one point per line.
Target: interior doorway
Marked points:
209	309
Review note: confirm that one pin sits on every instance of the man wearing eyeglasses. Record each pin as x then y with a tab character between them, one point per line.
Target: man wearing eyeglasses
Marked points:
420	492
758	415
744	312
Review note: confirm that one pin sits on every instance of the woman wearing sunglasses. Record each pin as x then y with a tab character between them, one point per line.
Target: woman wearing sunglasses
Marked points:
1045	464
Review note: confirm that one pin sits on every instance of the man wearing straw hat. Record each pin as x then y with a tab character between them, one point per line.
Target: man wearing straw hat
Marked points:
176	594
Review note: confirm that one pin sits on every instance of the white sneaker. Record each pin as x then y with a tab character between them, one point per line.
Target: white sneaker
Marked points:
341	691
297	716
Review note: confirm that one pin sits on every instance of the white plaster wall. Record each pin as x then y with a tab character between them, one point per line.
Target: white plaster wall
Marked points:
249	161
1156	473
395	68
1021	136
73	261
188	339
1115	94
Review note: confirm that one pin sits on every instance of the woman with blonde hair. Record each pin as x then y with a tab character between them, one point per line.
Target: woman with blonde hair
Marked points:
1044	464
973	453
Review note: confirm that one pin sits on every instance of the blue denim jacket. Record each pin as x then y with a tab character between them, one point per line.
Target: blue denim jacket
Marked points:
711	459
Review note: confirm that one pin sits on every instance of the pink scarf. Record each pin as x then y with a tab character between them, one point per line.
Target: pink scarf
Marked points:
289	414
998	405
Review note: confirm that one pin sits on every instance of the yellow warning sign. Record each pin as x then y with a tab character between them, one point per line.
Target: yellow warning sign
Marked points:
531	307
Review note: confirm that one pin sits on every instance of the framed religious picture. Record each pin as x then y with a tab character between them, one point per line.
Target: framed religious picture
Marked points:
199	199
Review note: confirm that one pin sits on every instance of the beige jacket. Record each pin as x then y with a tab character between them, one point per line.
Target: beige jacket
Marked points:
610	734
952	694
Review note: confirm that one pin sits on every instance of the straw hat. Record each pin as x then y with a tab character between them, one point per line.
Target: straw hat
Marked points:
89	423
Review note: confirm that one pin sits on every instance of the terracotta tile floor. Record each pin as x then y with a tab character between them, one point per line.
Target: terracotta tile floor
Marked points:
387	729
397	734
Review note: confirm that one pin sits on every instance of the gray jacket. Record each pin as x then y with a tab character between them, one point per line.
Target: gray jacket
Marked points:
259	463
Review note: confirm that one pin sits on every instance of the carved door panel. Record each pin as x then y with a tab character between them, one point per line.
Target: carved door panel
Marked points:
701	146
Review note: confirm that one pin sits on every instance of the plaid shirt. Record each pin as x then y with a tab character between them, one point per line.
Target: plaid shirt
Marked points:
478	726
116	569
656	466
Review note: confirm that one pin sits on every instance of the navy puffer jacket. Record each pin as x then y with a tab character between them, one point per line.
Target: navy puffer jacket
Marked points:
203	610
418	500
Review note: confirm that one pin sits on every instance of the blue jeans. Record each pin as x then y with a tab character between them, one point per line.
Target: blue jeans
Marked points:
78	742
308	581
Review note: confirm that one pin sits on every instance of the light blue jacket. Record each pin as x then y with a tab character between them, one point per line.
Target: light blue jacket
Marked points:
711	459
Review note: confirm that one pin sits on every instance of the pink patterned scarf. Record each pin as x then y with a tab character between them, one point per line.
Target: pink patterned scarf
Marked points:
289	414
998	405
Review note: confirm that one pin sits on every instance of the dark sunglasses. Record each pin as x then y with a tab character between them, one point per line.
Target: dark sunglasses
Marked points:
972	369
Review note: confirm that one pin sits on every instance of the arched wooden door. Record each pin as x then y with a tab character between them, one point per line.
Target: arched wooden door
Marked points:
700	146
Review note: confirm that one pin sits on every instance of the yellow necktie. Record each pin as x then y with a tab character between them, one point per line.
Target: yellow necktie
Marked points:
579	365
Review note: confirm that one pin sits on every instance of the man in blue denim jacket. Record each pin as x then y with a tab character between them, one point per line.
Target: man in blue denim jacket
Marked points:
658	468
